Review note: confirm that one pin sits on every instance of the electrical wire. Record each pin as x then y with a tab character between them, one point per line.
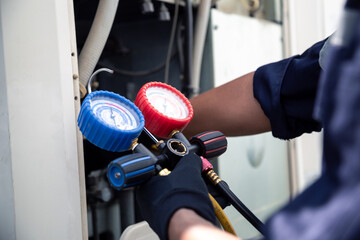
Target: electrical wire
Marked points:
179	43
136	73
221	216
141	73
171	41
188	91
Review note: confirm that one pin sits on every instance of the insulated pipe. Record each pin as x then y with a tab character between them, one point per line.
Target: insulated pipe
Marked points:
201	24
127	208
96	40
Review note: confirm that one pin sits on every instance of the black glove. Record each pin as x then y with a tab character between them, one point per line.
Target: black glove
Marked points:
184	187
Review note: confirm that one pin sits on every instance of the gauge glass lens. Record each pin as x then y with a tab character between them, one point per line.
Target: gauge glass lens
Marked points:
167	102
115	113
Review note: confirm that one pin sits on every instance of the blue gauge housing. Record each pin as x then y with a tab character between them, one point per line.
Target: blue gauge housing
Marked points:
110	121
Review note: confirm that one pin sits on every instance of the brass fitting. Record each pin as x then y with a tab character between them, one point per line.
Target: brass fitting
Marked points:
133	144
212	176
173	132
164	172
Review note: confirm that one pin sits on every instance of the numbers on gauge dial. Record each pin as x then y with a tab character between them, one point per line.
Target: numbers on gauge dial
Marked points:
167	102
115	114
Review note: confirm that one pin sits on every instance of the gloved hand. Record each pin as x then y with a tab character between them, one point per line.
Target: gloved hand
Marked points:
184	187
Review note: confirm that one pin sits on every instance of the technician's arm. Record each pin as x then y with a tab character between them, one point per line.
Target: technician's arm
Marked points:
278	96
185	224
230	108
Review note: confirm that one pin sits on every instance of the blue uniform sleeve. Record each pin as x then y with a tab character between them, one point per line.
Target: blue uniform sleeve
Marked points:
286	91
329	208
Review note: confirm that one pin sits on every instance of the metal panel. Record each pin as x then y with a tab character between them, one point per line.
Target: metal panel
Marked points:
42	147
7	210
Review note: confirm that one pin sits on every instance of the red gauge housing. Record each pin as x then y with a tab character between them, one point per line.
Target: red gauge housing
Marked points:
157	122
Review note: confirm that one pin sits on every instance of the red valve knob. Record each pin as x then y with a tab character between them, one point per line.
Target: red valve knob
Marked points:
212	144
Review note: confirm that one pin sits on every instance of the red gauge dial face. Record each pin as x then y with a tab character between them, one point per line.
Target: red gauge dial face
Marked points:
167	102
165	109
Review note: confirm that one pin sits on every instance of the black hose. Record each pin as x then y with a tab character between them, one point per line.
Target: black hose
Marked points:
235	201
187	89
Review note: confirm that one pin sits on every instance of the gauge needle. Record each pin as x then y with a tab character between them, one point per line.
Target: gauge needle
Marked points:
112	115
164	105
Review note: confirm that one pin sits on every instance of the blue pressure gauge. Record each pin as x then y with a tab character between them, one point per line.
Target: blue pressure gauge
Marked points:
110	121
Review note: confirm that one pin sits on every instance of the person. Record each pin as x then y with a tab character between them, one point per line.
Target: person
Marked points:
289	98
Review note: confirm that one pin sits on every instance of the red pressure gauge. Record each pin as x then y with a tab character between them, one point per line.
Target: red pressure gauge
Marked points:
164	108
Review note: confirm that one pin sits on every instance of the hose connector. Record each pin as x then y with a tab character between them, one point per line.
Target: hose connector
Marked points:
213	177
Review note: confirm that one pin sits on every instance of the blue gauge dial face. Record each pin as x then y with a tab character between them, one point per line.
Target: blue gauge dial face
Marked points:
115	113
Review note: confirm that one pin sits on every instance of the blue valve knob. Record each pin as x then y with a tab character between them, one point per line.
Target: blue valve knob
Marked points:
130	170
110	121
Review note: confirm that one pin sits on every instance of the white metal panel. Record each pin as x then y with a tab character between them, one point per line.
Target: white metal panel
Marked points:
242	44
306	25
41	119
311	21
80	152
7	210
255	167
